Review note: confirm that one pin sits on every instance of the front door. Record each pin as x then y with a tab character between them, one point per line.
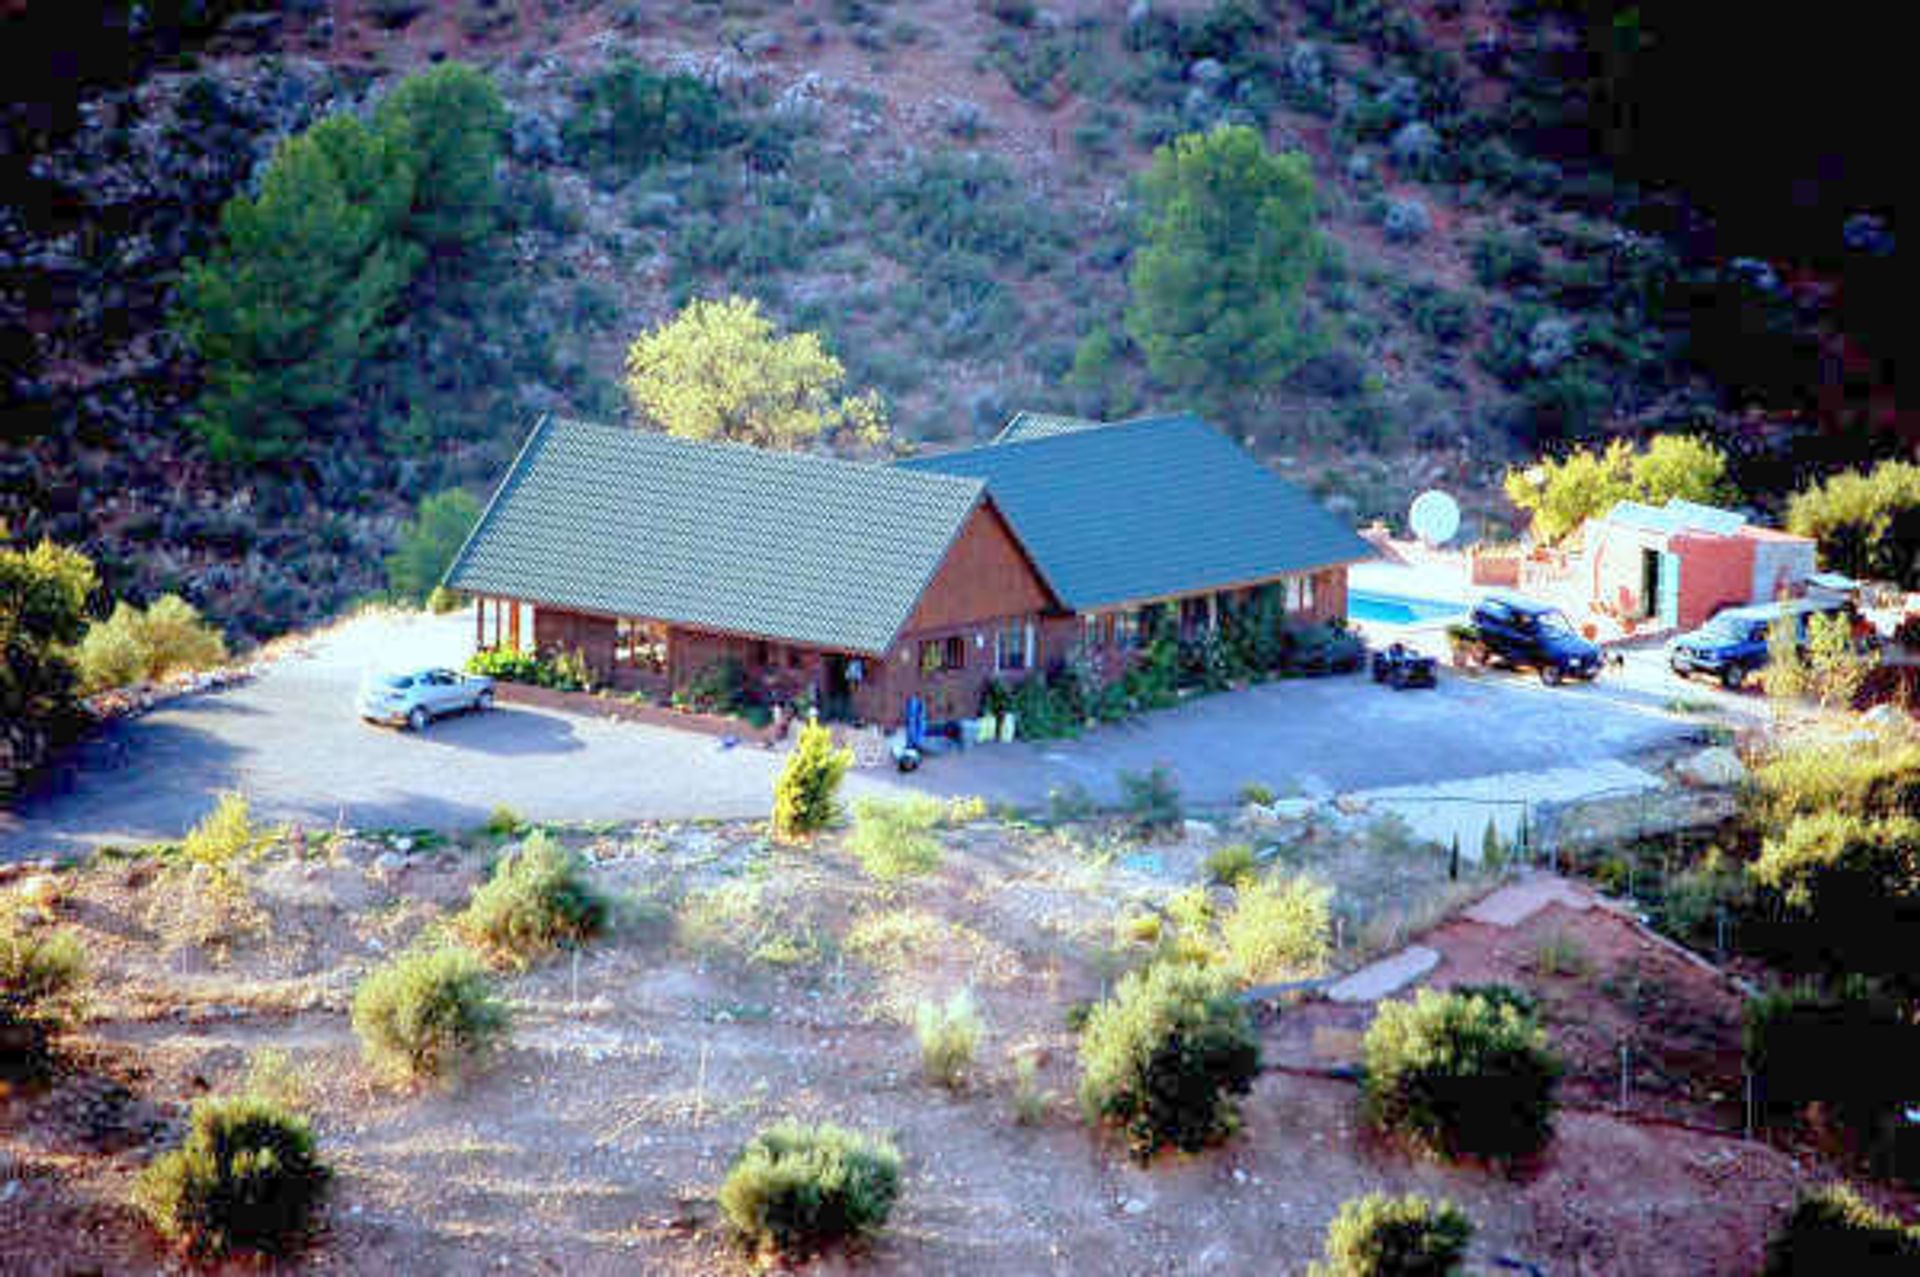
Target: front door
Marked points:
1669	598
836	698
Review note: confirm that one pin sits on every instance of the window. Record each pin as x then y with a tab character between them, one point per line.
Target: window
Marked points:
1013	645
1093	633
1126	630
1196	616
1299	593
943	656
639	644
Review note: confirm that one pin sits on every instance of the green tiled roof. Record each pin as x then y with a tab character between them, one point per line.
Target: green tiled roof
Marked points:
786	546
1039	425
1150	508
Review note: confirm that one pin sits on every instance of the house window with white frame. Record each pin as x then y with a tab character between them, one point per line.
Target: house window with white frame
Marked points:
1013	645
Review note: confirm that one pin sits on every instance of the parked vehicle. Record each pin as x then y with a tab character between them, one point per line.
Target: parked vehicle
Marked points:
1520	632
1733	644
417	698
1400	667
1324	649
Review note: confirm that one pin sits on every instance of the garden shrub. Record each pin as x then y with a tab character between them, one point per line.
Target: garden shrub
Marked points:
794	1189
1279	929
1382	1236
564	672
717	688
1257	793
949	1036
503	821
132	646
537	900
1833	1230
804	796
893	838
1804	780
1152	800
426	1014
1165	1057
247	1178
223	835
40	972
1846	891
1849	1047
1462	1074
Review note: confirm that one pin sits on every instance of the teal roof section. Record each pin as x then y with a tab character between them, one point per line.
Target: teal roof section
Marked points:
1149	509
1676	515
787	546
1041	425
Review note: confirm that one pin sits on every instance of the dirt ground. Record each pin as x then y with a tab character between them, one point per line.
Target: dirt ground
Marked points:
746	983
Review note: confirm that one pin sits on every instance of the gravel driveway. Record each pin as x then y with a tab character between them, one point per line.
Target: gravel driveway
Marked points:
290	741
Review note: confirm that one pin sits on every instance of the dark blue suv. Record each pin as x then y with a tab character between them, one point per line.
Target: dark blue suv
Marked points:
1521	632
1734	643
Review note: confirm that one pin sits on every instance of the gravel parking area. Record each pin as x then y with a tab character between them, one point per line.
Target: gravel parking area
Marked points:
290	741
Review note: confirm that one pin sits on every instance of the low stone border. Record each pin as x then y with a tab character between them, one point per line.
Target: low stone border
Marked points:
593	705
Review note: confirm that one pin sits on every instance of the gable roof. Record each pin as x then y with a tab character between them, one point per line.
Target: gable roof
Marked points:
1151	508
1676	515
1038	425
718	536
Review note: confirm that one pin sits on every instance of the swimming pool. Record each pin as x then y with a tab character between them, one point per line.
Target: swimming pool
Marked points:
1398	609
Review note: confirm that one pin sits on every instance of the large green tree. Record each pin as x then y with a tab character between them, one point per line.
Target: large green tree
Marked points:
298	288
451	125
719	370
1867	524
1561	495
43	602
428	544
1228	241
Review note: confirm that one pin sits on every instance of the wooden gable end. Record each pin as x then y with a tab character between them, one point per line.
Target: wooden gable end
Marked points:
986	574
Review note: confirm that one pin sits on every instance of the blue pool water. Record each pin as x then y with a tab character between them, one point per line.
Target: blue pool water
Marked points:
1398	609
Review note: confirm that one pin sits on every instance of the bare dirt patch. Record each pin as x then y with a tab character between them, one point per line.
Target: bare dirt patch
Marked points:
747	982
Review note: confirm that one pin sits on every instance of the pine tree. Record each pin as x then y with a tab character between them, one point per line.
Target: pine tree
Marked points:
803	796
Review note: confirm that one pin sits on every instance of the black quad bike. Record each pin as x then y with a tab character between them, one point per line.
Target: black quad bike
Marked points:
1400	667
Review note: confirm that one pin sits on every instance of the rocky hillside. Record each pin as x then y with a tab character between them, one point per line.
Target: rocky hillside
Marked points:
941	189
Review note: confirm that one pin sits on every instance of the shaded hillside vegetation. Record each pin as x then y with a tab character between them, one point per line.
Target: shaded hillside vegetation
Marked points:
944	192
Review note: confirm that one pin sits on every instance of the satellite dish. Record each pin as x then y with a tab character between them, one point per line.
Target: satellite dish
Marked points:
1435	517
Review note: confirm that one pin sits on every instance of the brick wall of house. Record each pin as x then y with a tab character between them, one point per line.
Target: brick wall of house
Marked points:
557	631
1715	572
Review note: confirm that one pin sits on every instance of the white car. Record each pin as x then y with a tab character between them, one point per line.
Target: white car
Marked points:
419	697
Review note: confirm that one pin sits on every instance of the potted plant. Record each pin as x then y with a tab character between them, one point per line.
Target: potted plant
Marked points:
994	701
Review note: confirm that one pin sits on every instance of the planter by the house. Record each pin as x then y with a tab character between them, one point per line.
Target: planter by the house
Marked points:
985	729
1009	723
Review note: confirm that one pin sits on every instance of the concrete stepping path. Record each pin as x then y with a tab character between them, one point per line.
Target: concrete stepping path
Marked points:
1389	975
1512	905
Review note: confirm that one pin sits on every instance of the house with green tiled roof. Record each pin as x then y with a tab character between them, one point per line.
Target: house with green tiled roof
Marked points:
860	587
1159	516
659	560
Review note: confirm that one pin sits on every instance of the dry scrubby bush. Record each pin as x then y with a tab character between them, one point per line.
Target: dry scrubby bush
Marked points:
1464	1073
247	1178
40	972
1164	1058
536	901
1152	801
426	1014
208	904
132	646
1833	1231
794	1189
804	795
1382	1236
949	1036
1279	929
